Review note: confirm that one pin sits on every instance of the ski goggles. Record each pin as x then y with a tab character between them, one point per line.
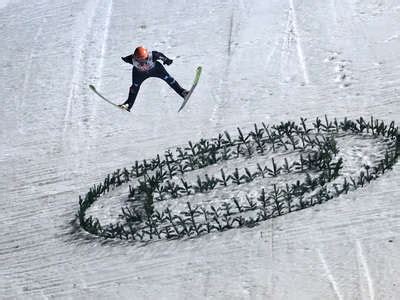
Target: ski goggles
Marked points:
141	61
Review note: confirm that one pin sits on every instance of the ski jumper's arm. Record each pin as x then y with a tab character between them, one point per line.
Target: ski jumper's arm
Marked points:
160	56
128	59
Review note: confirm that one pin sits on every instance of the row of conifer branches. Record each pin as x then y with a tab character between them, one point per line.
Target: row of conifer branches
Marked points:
155	180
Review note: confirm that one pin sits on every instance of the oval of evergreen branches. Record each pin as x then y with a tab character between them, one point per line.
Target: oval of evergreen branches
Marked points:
155	179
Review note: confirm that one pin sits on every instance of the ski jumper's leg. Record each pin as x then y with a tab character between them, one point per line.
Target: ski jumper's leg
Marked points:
160	72
137	79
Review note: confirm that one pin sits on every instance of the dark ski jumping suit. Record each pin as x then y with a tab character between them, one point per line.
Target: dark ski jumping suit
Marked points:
150	68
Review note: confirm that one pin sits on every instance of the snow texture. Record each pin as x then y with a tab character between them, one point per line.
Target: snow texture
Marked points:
263	61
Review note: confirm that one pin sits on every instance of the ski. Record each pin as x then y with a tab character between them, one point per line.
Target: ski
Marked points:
195	81
104	98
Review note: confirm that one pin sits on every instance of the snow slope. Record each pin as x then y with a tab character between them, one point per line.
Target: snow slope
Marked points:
265	61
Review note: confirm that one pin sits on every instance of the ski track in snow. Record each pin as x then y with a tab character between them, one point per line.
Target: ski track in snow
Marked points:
104	44
271	53
223	82
300	53
98	76
329	275
27	78
290	38
28	71
86	22
363	262
229	46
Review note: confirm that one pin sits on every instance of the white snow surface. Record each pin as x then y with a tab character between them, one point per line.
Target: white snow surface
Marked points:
263	61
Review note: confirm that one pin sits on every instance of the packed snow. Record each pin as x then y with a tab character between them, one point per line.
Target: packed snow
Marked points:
263	61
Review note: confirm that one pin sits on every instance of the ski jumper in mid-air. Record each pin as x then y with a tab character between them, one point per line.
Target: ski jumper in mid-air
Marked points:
145	65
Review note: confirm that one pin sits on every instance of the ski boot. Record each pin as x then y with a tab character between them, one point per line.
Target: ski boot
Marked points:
184	93
124	106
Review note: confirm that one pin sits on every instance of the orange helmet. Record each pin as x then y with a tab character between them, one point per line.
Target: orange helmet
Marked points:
141	53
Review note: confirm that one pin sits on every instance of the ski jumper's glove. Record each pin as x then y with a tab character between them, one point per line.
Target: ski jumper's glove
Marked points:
167	61
128	59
